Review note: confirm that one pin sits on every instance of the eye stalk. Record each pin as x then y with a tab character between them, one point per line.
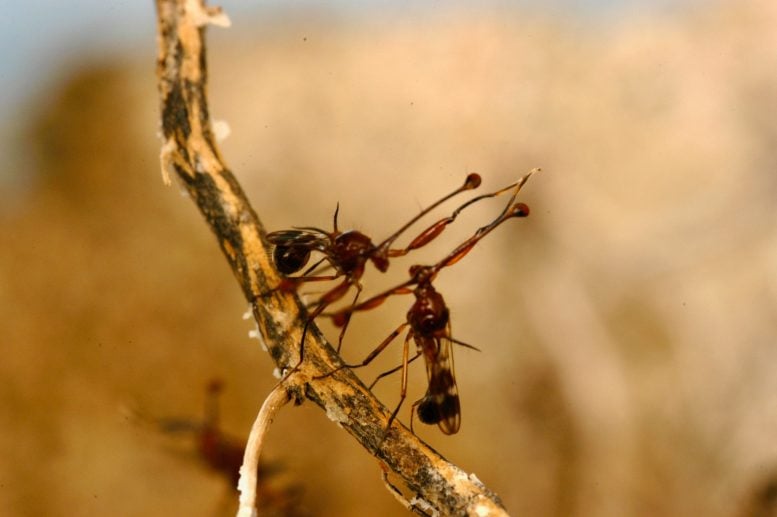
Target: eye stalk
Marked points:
428	319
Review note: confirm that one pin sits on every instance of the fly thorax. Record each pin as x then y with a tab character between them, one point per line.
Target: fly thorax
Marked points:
429	315
352	249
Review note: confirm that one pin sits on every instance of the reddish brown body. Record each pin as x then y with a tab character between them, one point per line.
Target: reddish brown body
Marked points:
348	252
430	327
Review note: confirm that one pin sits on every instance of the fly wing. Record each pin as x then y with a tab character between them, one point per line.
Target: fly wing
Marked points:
440	405
302	238
293	247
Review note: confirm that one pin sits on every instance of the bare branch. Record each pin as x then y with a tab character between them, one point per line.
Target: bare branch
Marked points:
190	153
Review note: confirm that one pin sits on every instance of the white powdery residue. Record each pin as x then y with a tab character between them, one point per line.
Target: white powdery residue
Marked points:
474	479
424	506
255	334
460	476
212	15
482	511
166	161
283	320
246	509
276	373
336	415
199	168
229	209
221	130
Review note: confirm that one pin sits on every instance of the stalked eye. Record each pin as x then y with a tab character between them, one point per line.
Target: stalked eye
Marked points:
520	210
473	181
290	259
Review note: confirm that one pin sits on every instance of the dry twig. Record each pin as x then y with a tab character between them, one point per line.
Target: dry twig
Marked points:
190	153
249	471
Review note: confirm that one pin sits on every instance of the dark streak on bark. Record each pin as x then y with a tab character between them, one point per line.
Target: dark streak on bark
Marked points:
175	116
207	196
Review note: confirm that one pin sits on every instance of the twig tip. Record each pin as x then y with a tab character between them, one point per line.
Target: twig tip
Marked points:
202	15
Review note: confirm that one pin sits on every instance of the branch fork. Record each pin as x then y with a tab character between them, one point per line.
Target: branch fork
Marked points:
190	153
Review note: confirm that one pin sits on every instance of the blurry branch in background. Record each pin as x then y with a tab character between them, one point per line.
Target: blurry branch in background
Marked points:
190	153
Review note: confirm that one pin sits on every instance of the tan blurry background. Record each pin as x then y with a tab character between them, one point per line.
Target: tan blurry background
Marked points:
627	328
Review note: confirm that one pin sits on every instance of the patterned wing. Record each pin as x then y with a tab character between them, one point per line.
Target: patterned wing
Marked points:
440	405
293	248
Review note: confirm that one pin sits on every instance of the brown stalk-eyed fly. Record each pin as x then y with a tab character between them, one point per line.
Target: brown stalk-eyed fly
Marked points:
347	252
430	328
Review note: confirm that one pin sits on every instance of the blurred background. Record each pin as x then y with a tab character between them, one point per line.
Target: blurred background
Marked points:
627	328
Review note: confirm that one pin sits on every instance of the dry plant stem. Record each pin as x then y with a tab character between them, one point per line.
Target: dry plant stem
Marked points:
190	153
249	470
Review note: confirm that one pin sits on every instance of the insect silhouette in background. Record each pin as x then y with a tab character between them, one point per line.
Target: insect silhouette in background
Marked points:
429	325
223	454
348	252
